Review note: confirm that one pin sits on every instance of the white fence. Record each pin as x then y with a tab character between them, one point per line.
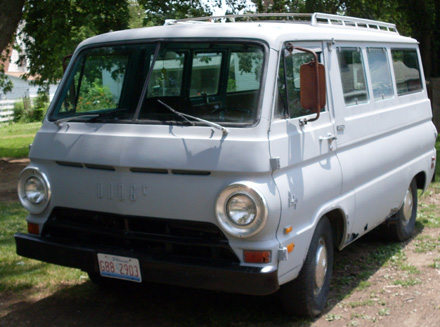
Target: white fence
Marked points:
6	110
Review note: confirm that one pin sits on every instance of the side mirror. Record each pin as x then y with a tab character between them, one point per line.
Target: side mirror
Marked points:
312	93
312	80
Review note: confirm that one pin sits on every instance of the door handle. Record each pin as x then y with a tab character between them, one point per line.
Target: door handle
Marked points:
330	137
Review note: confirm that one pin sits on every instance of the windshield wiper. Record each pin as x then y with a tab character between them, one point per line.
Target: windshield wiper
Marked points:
59	122
90	117
186	116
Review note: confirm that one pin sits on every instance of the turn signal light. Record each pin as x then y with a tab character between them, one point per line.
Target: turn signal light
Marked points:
290	247
257	256
33	229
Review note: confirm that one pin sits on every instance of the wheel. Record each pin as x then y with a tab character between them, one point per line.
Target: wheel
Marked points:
307	294
401	226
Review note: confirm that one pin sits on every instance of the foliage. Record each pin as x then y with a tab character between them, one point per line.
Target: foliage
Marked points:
158	10
18	111
94	96
67	22
53	28
26	112
6	84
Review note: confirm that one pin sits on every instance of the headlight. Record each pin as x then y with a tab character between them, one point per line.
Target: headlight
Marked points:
241	210
33	190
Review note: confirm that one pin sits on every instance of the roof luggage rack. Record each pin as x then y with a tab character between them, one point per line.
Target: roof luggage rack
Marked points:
315	19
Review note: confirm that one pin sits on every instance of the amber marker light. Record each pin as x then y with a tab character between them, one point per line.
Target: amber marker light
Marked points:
257	256
290	247
288	229
33	229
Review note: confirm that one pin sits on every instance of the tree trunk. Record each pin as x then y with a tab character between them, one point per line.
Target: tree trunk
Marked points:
10	15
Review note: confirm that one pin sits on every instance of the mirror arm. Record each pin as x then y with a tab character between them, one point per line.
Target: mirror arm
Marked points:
65	63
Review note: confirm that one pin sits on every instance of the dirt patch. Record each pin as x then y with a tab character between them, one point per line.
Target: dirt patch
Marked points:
10	168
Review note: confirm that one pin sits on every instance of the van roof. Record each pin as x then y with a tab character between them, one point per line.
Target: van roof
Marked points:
292	27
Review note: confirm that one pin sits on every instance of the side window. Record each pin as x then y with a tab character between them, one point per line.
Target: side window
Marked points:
406	70
352	72
97	85
380	73
205	74
288	99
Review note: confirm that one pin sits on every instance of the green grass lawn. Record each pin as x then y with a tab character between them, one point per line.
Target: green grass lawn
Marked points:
19	274
16	138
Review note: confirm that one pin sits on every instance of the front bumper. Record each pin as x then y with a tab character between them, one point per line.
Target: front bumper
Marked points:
232	278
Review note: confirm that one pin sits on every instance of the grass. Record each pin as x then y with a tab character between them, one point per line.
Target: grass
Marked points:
426	244
435	264
19	274
16	138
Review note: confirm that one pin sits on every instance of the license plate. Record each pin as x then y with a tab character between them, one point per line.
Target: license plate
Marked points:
114	266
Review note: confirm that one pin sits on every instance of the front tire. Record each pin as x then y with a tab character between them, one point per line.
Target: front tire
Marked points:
307	294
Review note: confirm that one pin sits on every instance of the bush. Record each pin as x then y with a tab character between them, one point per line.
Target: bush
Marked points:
25	112
18	111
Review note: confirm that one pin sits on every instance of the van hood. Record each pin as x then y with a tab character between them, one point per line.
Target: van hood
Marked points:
153	147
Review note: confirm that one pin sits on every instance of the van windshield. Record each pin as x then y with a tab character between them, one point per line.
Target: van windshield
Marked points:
218	82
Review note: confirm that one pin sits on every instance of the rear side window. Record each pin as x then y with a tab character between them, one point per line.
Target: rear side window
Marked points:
406	70
380	73
352	71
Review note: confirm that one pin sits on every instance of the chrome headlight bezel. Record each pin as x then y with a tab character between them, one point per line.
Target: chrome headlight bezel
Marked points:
38	177
230	225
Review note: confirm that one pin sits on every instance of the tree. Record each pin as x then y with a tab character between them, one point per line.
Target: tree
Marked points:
10	16
53	28
159	10
50	37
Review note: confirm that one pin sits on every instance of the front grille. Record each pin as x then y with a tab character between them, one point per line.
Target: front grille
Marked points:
160	239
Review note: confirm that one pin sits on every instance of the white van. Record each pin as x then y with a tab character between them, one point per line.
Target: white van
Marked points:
221	155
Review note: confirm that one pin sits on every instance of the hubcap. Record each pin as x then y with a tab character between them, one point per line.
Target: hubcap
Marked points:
407	207
321	265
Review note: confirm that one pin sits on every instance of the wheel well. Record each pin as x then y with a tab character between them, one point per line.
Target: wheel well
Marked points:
421	180
337	220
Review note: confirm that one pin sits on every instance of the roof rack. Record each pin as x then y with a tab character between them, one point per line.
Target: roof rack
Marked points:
337	20
315	19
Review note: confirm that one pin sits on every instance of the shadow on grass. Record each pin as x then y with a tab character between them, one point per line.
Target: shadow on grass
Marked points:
163	305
